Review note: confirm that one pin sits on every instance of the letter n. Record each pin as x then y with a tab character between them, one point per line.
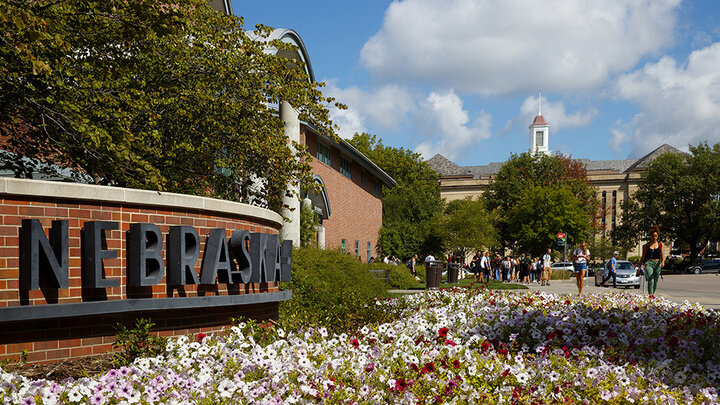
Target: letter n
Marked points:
37	252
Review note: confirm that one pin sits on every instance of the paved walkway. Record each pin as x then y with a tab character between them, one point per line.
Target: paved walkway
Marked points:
701	288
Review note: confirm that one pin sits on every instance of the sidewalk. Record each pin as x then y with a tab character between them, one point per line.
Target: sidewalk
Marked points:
569	287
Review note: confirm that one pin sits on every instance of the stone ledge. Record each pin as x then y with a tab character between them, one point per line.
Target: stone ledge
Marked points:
108	194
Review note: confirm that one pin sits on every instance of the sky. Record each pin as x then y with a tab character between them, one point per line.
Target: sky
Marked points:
462	78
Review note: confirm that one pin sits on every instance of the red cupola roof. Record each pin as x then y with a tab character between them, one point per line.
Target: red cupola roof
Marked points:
539	120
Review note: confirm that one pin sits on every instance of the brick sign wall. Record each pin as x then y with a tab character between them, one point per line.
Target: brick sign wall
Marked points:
51	335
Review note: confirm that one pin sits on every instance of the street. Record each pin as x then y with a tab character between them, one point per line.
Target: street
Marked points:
702	288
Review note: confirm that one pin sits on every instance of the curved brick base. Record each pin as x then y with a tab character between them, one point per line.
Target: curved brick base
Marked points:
47	340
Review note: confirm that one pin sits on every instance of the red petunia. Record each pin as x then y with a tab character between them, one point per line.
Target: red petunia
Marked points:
456	363
401	384
355	343
201	336
429	368
370	367
443	331
450	343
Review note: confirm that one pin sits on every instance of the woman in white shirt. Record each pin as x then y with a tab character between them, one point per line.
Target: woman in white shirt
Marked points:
580	256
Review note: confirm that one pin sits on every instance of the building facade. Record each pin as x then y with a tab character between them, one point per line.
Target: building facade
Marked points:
349	205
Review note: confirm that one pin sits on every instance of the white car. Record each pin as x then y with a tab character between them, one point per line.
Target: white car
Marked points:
625	274
562	266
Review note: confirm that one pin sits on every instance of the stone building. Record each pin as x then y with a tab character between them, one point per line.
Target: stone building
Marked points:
613	180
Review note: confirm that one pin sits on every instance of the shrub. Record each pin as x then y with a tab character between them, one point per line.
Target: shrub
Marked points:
330	289
137	342
401	278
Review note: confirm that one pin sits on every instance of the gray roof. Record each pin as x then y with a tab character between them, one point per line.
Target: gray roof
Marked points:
445	167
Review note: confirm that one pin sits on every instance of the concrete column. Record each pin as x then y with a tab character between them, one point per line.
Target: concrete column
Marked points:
291	230
321	236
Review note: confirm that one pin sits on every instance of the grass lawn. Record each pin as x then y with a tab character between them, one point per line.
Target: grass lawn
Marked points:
466	282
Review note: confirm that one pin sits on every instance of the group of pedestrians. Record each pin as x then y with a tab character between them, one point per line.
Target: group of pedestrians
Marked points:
522	269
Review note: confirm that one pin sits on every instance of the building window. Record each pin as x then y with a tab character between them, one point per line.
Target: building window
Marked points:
538	138
362	179
323	153
604	200
376	188
369	251
343	247
357	248
345	167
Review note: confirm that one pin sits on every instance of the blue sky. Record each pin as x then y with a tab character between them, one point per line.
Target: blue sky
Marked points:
461	77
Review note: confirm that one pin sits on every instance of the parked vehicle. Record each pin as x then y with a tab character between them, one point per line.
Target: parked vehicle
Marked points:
562	266
705	266
626	274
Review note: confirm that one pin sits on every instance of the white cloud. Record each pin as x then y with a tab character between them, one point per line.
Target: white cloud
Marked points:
499	47
384	108
680	103
442	117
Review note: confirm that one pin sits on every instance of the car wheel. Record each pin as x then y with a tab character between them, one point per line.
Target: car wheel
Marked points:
696	270
637	287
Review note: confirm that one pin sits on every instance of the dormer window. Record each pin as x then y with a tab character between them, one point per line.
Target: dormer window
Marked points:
539	138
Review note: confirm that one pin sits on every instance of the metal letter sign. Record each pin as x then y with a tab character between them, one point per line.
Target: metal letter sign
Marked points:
183	251
93	255
37	253
248	258
145	265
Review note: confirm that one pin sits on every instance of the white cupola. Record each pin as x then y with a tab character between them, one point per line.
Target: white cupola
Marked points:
539	132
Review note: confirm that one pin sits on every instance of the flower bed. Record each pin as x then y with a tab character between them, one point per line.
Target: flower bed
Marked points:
459	345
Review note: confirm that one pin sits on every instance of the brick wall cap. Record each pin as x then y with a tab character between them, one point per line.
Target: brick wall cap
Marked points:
89	192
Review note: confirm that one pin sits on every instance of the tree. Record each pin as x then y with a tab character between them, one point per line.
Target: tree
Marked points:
467	226
409	206
543	191
162	95
540	212
681	194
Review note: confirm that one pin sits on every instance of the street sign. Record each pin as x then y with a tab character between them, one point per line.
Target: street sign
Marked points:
561	238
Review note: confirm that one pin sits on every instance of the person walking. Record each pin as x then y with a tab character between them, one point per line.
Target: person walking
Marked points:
547	263
475	265
612	267
486	267
652	260
506	268
580	256
411	265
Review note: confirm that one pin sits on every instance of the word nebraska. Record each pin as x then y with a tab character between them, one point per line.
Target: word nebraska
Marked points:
246	258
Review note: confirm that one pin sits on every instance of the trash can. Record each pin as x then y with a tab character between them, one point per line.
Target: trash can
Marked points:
433	273
452	273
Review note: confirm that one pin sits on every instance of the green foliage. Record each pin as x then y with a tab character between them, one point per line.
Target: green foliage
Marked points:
409	206
467	225
602	250
541	211
136	342
155	95
308	224
679	193
400	277
330	289
9	365
538	195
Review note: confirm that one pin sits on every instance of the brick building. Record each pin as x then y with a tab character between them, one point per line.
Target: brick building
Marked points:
350	203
